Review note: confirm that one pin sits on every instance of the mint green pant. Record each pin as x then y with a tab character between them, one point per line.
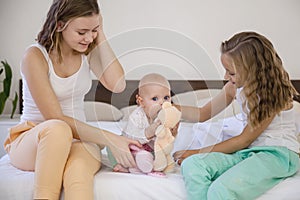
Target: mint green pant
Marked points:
111	158
245	174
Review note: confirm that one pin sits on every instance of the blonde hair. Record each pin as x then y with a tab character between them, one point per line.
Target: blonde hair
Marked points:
64	11
266	85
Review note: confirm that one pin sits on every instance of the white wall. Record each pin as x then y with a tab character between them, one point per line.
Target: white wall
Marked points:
177	38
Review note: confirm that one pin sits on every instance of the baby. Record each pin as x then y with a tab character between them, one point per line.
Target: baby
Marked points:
153	91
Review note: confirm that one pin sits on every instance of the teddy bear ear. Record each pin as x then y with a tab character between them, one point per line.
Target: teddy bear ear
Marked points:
166	105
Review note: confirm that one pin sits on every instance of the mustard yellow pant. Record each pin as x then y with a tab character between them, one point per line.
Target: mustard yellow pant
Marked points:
58	161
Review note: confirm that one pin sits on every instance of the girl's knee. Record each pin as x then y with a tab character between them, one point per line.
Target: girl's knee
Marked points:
194	160
189	165
196	165
58	125
57	130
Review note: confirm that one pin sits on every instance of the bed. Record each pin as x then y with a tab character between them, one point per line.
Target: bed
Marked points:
17	184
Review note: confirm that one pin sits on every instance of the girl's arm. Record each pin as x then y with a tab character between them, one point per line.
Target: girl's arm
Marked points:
212	108
231	145
106	66
35	69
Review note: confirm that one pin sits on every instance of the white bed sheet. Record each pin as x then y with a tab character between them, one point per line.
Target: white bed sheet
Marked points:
18	185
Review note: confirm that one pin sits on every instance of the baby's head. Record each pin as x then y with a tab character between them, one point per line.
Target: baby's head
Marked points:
153	91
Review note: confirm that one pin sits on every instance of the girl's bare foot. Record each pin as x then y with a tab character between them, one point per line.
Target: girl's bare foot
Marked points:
120	168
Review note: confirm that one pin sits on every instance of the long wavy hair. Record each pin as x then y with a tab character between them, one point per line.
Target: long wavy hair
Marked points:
64	11
266	84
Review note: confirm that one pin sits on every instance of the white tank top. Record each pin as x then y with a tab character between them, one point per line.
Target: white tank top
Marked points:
281	132
70	91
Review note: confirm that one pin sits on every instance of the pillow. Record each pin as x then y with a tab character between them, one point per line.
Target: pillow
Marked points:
99	111
127	111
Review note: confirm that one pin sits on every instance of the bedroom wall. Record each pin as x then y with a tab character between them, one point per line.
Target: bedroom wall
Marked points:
179	39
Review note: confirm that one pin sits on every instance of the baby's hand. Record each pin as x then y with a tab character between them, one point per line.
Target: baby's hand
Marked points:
150	130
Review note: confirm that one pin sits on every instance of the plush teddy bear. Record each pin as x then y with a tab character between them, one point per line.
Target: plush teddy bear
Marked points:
161	162
164	142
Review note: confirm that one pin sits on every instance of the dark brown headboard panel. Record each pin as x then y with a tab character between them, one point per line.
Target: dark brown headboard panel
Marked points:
127	97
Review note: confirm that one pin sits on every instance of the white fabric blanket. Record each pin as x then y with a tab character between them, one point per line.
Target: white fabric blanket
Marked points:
210	133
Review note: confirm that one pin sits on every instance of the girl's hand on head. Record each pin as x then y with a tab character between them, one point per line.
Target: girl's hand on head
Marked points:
119	146
100	23
179	156
101	37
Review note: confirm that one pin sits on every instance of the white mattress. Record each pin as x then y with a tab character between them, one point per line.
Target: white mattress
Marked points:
18	185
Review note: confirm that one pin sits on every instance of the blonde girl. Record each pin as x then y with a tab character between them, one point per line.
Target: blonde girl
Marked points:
266	151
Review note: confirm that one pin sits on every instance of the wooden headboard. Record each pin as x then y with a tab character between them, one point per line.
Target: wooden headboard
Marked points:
99	93
127	97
